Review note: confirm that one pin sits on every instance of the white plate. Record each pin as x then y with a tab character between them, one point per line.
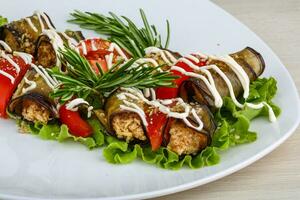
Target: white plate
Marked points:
34	169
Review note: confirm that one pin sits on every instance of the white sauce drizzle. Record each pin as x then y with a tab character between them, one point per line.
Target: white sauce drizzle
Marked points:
40	20
109	58
5	46
56	42
84	49
44	16
7	75
13	63
208	79
44	74
165	55
28	20
238	70
210	85
71	41
161	105
32	85
93	47
134	108
73	106
25	56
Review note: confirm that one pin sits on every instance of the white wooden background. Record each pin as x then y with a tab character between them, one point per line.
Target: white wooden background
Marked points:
276	176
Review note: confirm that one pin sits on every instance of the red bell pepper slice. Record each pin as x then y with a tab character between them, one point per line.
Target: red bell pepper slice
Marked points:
169	93
77	126
7	88
156	123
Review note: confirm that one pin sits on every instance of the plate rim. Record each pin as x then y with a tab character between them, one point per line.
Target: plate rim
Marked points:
218	175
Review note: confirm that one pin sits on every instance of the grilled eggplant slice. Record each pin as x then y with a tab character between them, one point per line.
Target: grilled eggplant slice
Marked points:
122	123
21	36
182	139
33	105
196	90
45	53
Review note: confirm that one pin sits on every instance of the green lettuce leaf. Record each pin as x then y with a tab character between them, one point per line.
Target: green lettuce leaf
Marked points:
120	152
54	131
3	21
233	129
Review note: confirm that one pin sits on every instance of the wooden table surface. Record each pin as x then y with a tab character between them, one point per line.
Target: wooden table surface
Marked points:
277	175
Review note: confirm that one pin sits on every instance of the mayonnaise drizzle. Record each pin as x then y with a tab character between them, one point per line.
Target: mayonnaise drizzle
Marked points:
109	58
93	47
40	20
5	46
238	70
51	82
208	79
25	56
84	49
209	83
13	63
7	75
32	85
164	54
56	42
161	105
73	106
71	41
28	20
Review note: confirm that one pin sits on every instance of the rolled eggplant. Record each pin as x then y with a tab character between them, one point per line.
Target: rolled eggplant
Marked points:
127	124
164	57
195	89
23	34
31	100
46	52
183	139
123	124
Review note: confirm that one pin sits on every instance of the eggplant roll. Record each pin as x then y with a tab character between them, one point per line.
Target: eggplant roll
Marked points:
23	34
122	123
45	54
182	139
33	105
195	89
177	136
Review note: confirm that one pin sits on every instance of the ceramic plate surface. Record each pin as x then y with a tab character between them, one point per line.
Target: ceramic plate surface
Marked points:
35	169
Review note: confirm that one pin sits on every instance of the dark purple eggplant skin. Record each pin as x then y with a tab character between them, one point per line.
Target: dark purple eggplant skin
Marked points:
45	54
111	109
20	36
15	106
196	90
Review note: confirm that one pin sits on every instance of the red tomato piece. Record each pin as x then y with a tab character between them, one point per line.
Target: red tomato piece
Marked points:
156	122
169	93
77	126
7	88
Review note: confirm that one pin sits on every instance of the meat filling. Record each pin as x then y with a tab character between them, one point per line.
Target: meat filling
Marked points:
46	55
185	140
128	126
34	112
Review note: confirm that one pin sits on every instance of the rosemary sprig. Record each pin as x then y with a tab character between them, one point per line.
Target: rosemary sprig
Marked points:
81	81
122	31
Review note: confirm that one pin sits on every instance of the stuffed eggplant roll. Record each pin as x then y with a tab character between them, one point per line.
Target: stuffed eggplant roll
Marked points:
31	100
49	42
23	34
182	139
123	123
183	128
230	76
